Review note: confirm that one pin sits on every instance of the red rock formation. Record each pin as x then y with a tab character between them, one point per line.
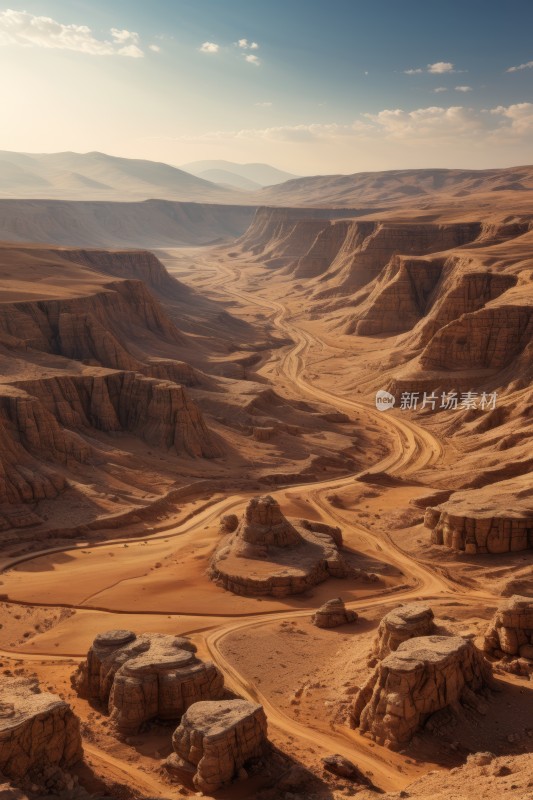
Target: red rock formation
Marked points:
39	736
215	740
423	676
488	338
510	632
403	623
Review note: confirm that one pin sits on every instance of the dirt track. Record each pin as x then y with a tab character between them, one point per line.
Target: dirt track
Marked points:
411	449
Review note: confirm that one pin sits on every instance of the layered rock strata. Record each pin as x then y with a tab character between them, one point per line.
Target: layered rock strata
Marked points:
39	735
407	622
423	676
464	526
140	678
510	632
269	555
332	614
215	740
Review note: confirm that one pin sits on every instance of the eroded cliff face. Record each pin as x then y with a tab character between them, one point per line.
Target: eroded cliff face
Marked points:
484	339
369	246
49	419
281	235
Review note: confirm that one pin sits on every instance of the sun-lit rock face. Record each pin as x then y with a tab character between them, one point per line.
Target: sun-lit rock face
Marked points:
401	624
423	676
39	736
145	677
269	555
215	740
510	632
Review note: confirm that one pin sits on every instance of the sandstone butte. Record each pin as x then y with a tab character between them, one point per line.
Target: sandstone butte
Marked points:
422	677
406	622
140	678
510	632
332	614
216	740
269	555
40	738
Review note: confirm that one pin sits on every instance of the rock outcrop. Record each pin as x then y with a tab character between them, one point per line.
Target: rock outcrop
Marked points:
403	623
215	741
43	419
332	614
486	339
39	736
479	522
423	676
369	246
510	632
140	678
269	555
399	298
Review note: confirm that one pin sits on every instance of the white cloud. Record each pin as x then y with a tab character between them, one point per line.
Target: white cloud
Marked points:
23	29
440	67
154	47
463	88
124	36
519	115
433	126
244	44
209	47
440	89
264	104
251	59
527	65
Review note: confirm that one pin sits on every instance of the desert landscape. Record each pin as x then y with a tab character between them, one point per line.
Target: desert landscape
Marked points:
266	497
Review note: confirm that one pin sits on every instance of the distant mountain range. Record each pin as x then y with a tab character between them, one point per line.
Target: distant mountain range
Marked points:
239	176
97	176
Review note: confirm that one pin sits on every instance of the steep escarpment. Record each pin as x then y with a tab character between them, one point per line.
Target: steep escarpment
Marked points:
93	327
151	223
369	246
51	421
281	235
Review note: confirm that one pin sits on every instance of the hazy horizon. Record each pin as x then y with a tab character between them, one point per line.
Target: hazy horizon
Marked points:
307	87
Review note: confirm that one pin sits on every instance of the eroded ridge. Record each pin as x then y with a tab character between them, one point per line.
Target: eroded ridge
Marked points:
145	677
423	676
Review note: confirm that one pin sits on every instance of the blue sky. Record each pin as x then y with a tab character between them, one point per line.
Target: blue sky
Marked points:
313	87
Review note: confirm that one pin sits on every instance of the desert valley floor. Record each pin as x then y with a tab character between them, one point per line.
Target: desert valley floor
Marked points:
147	395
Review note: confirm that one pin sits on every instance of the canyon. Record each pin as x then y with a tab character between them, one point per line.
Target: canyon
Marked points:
224	562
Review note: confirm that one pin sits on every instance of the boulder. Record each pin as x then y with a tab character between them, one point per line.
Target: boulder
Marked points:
423	676
39	735
344	768
215	740
146	677
332	614
510	632
401	624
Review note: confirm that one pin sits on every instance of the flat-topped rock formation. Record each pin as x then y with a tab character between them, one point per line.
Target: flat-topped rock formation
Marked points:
269	555
510	632
39	736
145	677
399	625
484	521
215	740
422	676
332	614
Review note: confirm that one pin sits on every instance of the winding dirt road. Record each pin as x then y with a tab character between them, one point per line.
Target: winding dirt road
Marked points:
411	448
